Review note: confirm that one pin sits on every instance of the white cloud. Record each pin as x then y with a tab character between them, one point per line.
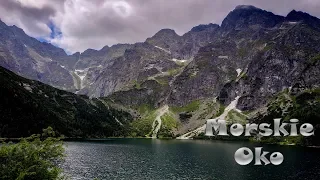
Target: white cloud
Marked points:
28	15
94	24
122	8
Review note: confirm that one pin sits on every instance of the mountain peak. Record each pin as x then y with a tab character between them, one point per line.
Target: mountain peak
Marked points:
248	7
166	32
203	27
76	54
163	35
105	48
89	52
305	17
245	16
296	14
299	15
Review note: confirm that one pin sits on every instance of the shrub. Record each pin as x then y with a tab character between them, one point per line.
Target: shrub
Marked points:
35	157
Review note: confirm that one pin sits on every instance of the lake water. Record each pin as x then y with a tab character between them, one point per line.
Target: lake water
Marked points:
182	159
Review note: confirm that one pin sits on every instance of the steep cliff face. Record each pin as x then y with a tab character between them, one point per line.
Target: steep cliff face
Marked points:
137	64
288	60
33	59
213	66
91	63
246	16
248	62
248	58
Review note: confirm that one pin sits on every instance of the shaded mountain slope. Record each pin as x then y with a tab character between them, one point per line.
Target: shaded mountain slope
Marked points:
27	106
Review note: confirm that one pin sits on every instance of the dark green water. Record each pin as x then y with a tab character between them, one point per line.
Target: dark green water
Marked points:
182	159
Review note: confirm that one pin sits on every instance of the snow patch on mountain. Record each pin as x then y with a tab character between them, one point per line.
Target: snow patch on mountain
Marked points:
223	57
238	72
163	49
81	73
179	60
293	22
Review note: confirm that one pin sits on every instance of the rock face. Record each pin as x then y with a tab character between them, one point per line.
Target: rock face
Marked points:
44	62
253	55
244	17
33	59
281	64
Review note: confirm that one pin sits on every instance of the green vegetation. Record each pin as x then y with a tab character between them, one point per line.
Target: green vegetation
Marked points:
268	47
288	140
281	103
315	59
193	74
168	124
179	63
193	106
304	106
35	157
142	127
137	85
145	108
132	84
173	72
169	121
163	80
235	117
221	110
201	136
243	75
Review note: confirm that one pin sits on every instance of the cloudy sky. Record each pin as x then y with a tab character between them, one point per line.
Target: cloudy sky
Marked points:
76	25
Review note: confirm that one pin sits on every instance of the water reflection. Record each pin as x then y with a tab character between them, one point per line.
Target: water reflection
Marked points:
182	159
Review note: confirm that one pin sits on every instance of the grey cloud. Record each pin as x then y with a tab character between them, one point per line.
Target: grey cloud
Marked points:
32	19
94	24
41	14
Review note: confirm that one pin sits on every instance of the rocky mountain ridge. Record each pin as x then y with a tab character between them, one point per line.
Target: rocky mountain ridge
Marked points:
253	56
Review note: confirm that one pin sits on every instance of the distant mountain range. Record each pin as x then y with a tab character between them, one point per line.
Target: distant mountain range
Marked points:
254	60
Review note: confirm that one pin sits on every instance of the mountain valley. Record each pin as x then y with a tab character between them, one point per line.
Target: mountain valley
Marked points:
254	67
